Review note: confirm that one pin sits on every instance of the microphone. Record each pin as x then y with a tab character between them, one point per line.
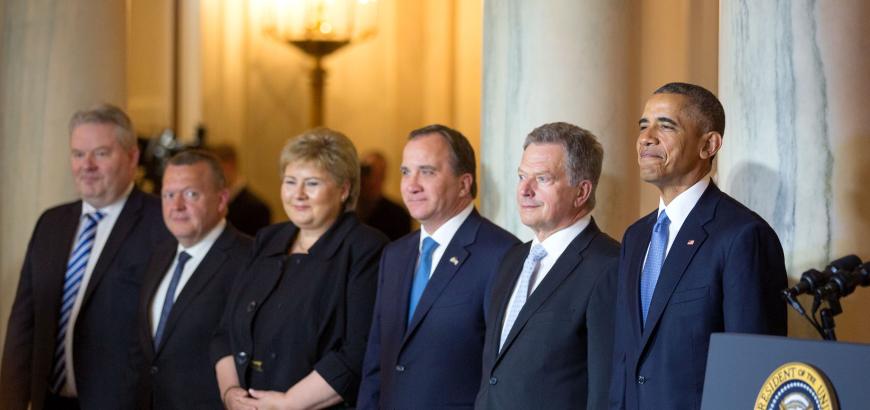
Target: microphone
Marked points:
843	283
812	280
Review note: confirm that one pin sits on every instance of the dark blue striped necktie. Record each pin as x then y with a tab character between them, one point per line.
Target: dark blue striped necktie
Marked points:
75	271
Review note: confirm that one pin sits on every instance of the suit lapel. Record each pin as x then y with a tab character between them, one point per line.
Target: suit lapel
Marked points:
50	286
451	261
637	254
564	266
679	256
406	278
162	261
207	269
505	290
128	218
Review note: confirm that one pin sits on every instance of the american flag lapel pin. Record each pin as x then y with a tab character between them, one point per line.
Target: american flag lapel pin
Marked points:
691	242
454	261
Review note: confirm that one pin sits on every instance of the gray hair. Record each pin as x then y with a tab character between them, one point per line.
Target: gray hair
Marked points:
584	155
330	150
107	114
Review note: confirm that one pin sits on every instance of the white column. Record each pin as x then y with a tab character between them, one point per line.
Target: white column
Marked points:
794	79
56	56
560	60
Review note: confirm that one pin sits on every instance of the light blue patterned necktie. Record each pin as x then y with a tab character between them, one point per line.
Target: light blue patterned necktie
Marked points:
421	276
655	257
75	272
523	286
169	300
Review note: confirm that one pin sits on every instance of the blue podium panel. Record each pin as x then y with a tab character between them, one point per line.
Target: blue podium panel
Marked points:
738	367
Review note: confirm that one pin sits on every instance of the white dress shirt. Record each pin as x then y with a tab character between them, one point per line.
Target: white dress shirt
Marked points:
443	235
678	210
104	228
555	245
197	253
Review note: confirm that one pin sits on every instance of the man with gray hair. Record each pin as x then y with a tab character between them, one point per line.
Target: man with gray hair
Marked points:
72	323
550	322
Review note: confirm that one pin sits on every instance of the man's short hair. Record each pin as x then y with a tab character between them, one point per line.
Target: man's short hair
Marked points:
461	153
708	111
197	156
584	155
107	114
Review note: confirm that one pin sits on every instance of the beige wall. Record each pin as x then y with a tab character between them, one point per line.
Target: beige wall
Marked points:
423	66
55	57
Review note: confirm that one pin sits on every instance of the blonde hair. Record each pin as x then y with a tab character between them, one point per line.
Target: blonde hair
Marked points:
330	150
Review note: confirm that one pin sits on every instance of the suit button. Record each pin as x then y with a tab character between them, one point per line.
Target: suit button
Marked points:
400	368
493	380
641	380
242	358
154	370
252	306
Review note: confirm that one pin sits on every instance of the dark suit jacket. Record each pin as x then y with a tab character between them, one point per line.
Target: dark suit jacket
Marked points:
390	218
180	374
248	213
433	363
558	353
322	304
722	274
105	328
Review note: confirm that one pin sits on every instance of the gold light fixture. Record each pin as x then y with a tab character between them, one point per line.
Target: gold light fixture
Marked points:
319	28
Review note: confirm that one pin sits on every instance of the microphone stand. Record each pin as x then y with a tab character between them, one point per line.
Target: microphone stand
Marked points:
827	315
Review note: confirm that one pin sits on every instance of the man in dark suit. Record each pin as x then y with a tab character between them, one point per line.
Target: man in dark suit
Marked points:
186	286
246	211
701	263
550	324
375	209
427	334
72	324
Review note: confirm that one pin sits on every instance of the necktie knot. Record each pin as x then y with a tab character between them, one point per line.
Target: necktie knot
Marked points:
537	253
662	222
429	246
183	257
95	217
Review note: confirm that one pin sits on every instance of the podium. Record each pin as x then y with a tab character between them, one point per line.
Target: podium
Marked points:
752	371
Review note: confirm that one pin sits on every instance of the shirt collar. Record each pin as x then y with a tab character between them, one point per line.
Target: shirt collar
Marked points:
557	242
445	232
199	249
111	209
679	208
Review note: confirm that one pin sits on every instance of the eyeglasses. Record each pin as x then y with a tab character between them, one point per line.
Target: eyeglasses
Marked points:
187	195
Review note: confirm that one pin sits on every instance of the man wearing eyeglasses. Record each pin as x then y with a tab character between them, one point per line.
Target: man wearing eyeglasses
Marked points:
186	286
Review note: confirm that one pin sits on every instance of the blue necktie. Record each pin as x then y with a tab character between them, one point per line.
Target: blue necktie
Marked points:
421	276
169	300
655	257
75	271
523	290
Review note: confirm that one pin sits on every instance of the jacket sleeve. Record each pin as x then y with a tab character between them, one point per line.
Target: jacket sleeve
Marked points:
15	373
370	387
341	368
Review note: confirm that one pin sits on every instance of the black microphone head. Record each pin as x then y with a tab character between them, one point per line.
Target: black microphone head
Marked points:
847	262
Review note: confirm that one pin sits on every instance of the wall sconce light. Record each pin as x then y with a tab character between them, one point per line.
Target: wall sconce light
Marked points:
319	28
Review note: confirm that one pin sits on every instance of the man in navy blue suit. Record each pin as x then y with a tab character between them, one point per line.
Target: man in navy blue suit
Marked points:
424	349
701	263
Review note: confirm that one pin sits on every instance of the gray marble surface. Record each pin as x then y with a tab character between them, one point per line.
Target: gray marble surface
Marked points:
560	60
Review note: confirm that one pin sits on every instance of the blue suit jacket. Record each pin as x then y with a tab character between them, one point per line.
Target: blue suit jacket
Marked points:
434	362
723	273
